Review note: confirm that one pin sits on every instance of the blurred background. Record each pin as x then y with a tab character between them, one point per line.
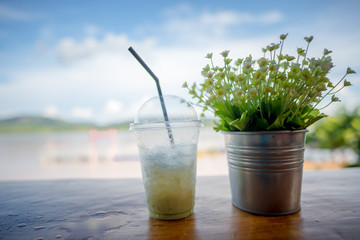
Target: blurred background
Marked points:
69	87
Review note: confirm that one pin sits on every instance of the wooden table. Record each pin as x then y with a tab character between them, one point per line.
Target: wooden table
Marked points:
116	209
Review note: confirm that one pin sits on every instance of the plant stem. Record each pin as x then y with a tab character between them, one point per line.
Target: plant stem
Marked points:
326	94
307	48
282	44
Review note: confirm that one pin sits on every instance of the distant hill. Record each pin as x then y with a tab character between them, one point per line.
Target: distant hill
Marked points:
44	124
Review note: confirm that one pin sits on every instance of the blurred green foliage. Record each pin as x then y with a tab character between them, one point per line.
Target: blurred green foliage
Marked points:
341	130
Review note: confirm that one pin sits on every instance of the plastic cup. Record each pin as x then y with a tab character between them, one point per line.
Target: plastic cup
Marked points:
168	169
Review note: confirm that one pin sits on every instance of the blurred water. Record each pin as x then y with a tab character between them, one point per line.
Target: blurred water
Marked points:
93	154
73	154
109	154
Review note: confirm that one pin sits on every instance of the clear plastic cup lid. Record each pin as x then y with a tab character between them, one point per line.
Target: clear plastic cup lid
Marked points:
179	112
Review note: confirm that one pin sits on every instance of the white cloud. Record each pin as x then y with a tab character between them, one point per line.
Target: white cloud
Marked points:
186	12
237	18
269	17
113	107
187	24
223	18
83	113
51	111
68	49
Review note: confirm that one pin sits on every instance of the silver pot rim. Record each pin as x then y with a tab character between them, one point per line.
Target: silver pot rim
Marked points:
264	132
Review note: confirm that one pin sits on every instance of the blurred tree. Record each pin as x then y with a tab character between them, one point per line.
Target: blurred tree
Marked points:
339	131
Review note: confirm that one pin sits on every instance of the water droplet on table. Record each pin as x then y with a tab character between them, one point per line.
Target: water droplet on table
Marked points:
39	228
21	225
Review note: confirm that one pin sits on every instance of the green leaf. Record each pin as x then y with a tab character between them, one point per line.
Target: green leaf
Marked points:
225	53
313	114
350	71
283	36
309	39
240	123
275	107
279	122
209	55
296	123
260	124
220	126
313	120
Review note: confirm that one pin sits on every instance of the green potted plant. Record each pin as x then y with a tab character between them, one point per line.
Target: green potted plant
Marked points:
264	107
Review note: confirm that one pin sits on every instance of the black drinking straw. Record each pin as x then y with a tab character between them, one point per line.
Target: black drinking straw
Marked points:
171	138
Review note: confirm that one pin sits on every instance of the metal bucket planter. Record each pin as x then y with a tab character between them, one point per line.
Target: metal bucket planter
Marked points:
265	170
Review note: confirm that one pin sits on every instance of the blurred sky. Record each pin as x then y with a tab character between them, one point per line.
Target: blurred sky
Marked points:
69	59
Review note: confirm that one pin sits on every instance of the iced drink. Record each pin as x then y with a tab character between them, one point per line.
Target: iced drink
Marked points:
168	153
169	176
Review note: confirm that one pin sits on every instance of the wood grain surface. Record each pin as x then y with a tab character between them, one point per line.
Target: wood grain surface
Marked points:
116	209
